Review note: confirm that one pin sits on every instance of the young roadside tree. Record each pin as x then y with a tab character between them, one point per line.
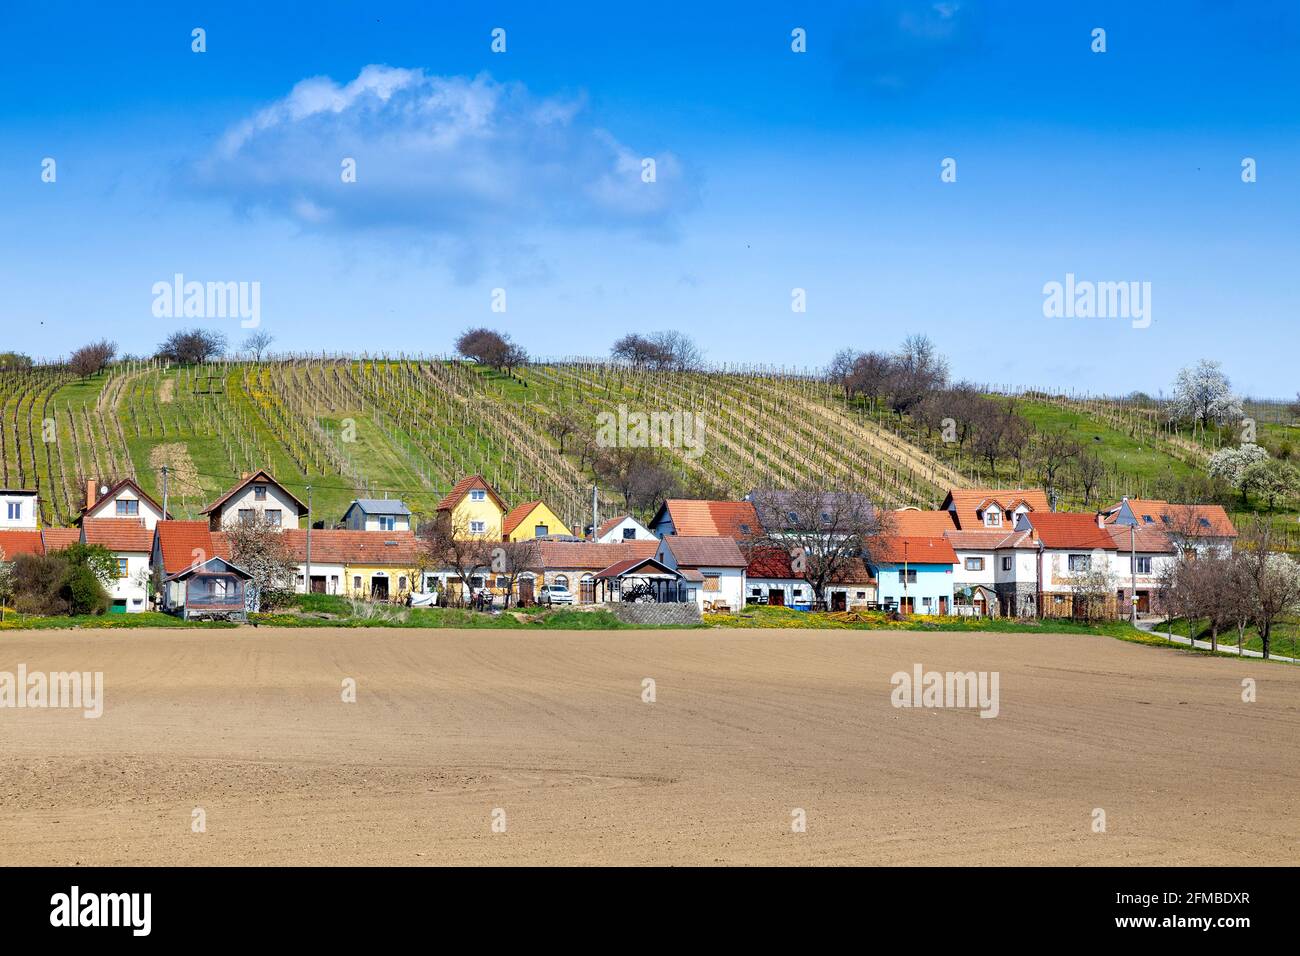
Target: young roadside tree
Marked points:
258	343
192	347
1272	579
259	548
1093	594
511	560
1232	466
93	358
449	544
1203	395
824	530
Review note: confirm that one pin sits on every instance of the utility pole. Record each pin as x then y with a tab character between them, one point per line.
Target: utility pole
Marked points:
1133	569
164	473
905	576
306	581
595	506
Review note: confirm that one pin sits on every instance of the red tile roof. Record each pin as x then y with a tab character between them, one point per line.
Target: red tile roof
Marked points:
724	519
185	543
516	516
629	564
56	539
379	548
1148	540
770	563
591	556
462	488
925	524
914	550
1182	519
853	571
699	551
14	543
607	526
990	540
1064	530
966	501
118	534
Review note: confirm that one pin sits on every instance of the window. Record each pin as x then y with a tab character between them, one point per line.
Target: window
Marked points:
826	517
128	507
712	582
862	595
974	564
993	519
1143	565
797	592
334	584
1080	562
925	602
259	492
907	577
121	567
246	515
794	518
1006	564
1147	519
356	582
478	494
629	534
387	523
401	582
478	527
744	529
562	581
15	510
541	531
757	592
273	517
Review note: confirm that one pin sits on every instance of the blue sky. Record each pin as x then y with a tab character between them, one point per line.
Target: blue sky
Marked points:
776	170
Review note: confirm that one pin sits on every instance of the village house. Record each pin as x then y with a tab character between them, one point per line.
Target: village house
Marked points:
474	509
623	528
123	499
991	566
992	509
377	514
852	586
914	574
707	519
716	560
256	495
18	509
1141	556
131	544
530	520
770	579
1192	529
357	564
1069	546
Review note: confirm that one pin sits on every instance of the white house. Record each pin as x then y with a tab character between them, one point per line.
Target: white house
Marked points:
622	528
131	543
377	514
1191	528
124	499
256	494
719	562
18	509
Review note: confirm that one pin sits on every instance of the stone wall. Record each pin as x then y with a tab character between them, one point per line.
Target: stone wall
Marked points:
654	615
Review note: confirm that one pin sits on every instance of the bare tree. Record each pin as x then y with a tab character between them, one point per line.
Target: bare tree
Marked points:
258	546
192	346
825	530
449	544
512	559
1089	470
1272	578
870	377
491	348
639	475
1053	451
93	358
637	350
258	343
562	423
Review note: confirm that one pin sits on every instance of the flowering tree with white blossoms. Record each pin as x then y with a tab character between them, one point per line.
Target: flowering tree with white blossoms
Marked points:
1233	465
1203	394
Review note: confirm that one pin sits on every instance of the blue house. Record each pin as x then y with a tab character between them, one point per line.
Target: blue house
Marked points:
914	575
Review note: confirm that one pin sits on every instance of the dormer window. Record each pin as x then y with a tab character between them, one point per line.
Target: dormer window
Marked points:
993	519
744	529
1147	519
794	518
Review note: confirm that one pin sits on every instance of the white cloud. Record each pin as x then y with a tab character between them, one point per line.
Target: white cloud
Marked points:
466	158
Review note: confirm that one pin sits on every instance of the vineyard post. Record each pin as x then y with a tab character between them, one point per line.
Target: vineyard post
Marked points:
164	477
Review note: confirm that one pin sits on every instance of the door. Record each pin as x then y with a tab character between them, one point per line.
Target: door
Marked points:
1143	602
907	605
839	601
776	596
588	590
525	591
943	604
379	588
318	584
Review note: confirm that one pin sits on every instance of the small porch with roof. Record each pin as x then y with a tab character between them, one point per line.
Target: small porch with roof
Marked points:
214	589
646	580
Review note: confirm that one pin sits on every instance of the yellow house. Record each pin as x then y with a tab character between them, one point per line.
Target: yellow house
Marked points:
531	520
476	510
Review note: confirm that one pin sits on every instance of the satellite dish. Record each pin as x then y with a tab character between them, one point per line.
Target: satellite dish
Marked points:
103	489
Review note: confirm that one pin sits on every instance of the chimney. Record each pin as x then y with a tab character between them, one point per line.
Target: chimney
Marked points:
91	495
1101	520
243	476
